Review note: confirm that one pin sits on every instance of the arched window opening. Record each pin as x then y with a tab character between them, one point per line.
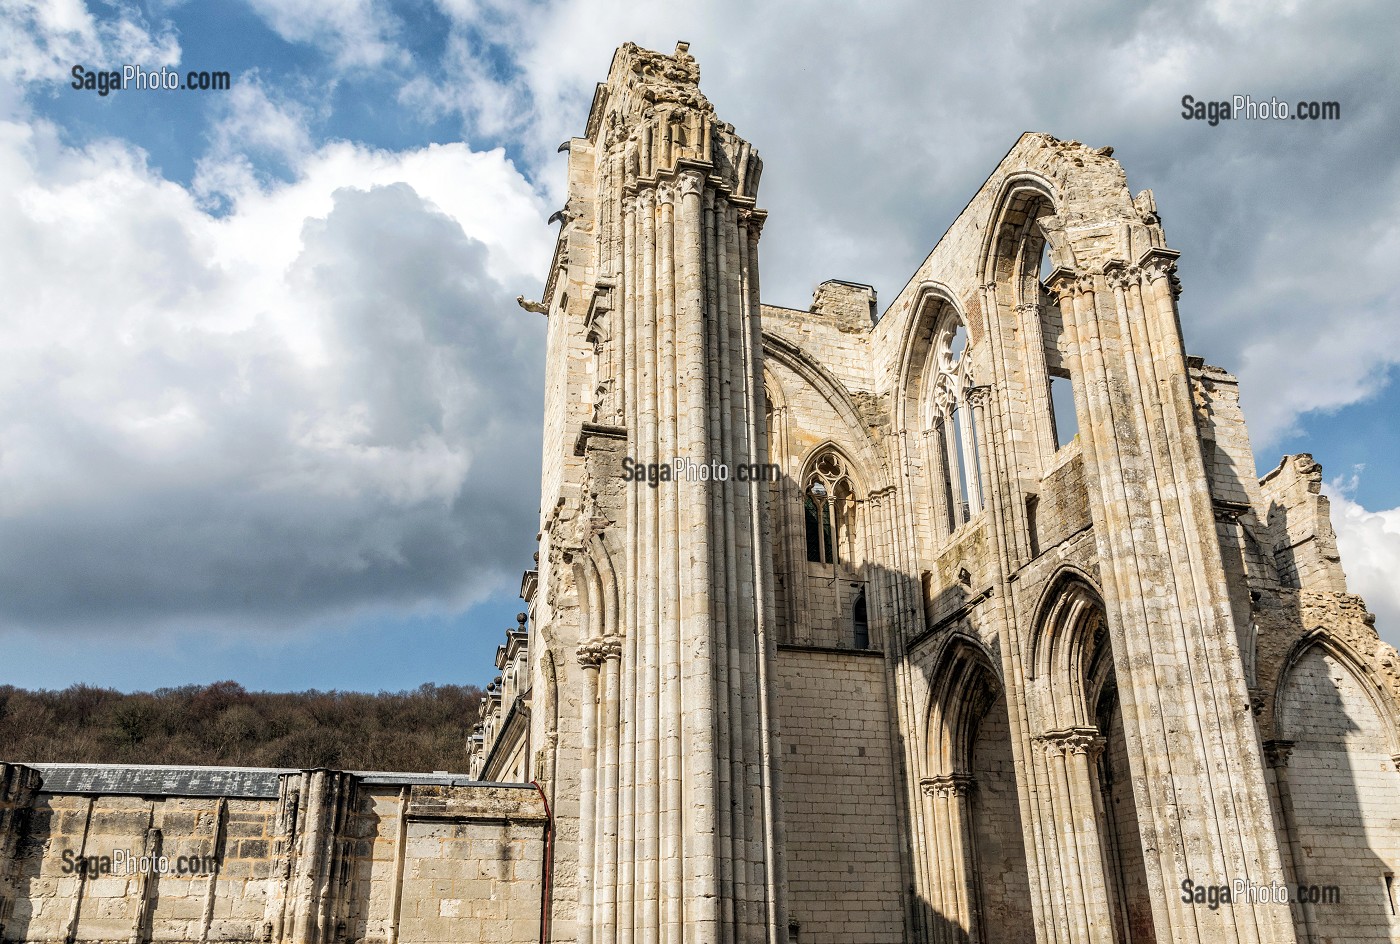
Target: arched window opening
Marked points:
829	511
957	344
1063	420
950	425
859	625
1062	415
820	549
965	448
1033	523
1046	266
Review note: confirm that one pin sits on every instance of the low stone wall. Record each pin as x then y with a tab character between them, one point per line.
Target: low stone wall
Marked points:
266	856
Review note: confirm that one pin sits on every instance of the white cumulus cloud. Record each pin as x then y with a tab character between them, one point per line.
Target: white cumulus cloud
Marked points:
43	39
306	406
1369	542
357	33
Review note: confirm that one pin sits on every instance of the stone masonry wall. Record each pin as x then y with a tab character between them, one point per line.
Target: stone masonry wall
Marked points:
1341	786
407	861
838	798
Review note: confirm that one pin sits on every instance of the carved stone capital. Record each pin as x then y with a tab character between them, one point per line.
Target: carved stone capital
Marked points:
946	785
1276	752
595	652
1116	275
979	396
689	182
752	219
1066	283
1119	275
610	647
1076	740
1158	263
665	192
591	654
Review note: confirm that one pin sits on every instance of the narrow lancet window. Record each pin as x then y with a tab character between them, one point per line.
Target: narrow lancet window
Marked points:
1062	411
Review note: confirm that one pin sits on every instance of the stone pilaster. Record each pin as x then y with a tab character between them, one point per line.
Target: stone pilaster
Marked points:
306	905
954	895
1077	848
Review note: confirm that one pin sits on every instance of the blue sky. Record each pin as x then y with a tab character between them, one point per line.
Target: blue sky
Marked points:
268	411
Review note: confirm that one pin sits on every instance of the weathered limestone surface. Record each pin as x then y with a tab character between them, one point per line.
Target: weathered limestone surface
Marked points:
843	855
1008	641
323	856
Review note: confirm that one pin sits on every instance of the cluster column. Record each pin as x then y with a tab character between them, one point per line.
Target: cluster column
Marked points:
1081	894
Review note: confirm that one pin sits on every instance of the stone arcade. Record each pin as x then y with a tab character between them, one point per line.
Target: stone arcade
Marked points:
1017	644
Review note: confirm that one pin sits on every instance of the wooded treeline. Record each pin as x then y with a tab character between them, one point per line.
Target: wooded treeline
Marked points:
225	725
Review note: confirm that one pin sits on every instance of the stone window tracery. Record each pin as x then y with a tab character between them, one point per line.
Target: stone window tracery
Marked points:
949	421
829	506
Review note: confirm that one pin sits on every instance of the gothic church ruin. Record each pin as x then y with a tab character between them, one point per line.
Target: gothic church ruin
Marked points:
1015	646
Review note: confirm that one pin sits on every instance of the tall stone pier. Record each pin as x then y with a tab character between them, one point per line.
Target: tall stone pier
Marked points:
663	593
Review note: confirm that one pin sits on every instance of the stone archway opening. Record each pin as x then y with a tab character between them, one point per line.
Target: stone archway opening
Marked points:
1089	810
980	885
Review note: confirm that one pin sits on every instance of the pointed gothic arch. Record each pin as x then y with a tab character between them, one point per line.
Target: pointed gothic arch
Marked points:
1333	760
1382	702
1068	642
1025	239
1084	761
979	880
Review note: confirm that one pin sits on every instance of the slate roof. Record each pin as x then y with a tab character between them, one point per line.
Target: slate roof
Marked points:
162	780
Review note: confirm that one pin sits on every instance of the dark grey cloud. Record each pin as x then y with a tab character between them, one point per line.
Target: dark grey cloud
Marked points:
384	469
